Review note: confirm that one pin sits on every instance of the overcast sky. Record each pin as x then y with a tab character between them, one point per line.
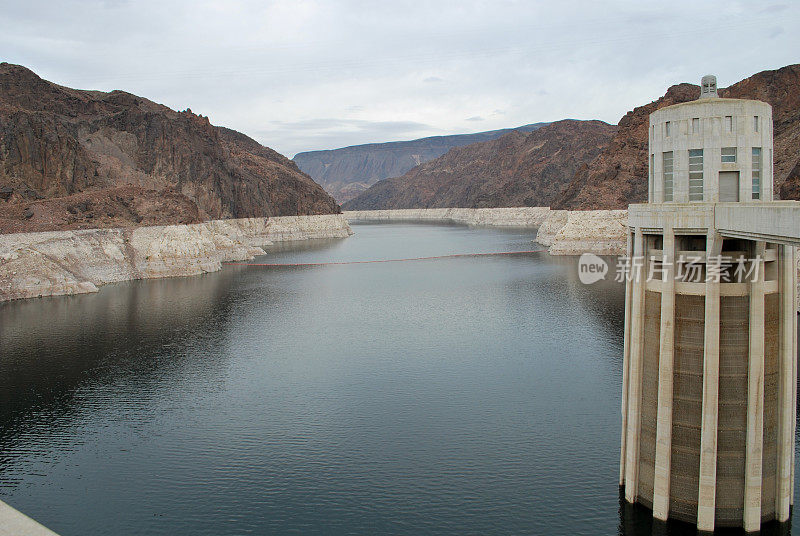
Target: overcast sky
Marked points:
301	75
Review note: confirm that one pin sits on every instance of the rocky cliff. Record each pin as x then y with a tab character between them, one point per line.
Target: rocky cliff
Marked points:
618	176
348	171
573	232
76	159
517	169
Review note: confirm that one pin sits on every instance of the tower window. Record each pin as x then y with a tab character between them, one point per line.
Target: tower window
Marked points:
695	175
696	125
729	155
756	173
650	178
668	168
755	123
667	129
728	123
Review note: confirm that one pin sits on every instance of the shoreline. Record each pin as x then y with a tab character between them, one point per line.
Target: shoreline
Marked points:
563	232
57	263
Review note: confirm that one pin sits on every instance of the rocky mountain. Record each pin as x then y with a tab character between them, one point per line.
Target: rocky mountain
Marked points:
74	159
517	169
618	176
348	171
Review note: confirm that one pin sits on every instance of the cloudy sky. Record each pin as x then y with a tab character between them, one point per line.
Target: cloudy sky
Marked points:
300	75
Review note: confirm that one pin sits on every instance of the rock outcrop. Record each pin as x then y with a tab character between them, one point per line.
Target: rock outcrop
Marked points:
514	170
75	262
618	176
174	167
602	232
348	171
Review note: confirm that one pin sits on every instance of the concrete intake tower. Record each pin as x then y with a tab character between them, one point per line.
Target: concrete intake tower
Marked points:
710	355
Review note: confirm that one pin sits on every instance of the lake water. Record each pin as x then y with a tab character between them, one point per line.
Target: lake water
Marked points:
470	395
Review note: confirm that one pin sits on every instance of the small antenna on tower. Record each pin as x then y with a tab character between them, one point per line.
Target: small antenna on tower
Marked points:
708	87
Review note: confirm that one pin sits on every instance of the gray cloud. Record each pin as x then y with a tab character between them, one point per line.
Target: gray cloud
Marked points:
774	8
280	70
775	32
475	118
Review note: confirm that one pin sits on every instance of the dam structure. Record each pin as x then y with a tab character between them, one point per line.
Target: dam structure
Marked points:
710	351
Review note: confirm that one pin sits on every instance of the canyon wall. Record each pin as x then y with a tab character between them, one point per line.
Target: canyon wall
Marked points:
76	159
74	262
348	171
517	169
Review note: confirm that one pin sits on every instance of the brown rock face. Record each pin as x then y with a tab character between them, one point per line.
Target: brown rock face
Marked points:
57	142
110	207
517	169
618	176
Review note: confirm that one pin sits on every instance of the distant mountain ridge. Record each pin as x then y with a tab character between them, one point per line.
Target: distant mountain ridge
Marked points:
516	169
348	171
509	171
74	159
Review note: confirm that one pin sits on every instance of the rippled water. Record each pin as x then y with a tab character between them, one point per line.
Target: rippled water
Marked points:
474	395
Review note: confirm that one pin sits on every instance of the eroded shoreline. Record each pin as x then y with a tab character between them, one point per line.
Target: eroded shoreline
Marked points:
77	262
563	232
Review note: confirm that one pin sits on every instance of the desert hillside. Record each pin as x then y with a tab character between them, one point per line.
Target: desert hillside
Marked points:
348	171
76	159
517	169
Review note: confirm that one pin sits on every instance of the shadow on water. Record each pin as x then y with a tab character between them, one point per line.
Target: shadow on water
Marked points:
636	520
131	334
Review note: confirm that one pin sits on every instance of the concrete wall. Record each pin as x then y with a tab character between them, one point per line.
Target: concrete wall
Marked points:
15	523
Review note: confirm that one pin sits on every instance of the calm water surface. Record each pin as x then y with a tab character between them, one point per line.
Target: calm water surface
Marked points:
471	395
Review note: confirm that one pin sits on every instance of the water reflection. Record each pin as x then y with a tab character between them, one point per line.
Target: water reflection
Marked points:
130	340
473	395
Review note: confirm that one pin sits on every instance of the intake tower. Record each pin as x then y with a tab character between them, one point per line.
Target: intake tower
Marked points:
710	367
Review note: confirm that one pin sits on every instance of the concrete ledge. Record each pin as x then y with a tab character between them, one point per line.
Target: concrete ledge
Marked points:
773	221
15	523
776	221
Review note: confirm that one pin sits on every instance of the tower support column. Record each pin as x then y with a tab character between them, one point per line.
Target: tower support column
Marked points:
635	371
626	359
755	399
663	454
787	384
707	489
